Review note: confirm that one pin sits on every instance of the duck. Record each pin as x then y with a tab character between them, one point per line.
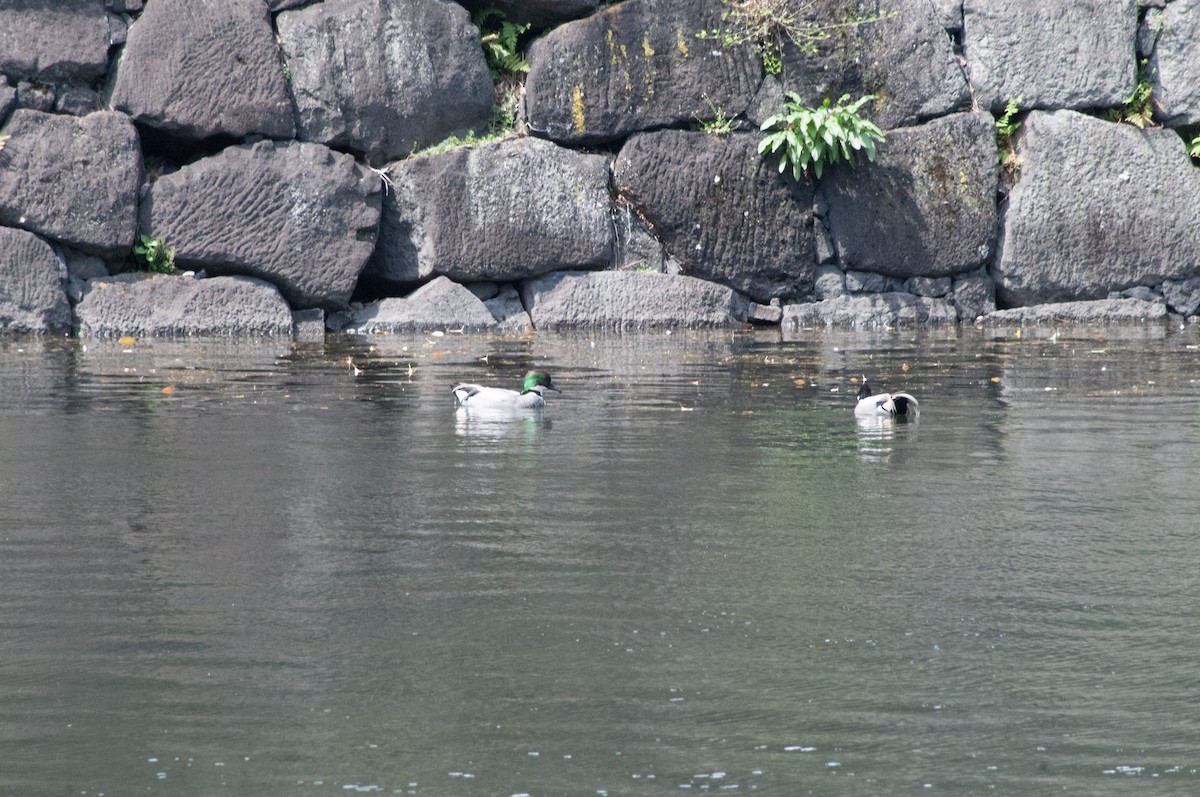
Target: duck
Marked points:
892	405
529	397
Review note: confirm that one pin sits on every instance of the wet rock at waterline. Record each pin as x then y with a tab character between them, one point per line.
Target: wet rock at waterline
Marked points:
439	305
1130	217
145	305
722	212
298	215
630	300
499	212
1101	311
71	179
1182	296
32	299
870	311
974	295
194	69
418	75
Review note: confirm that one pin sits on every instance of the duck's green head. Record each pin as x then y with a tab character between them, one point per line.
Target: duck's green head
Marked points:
535	380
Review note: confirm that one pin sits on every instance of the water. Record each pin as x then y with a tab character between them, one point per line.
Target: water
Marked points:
245	569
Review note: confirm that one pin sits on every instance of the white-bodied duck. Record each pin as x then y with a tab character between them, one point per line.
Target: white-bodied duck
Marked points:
887	405
530	397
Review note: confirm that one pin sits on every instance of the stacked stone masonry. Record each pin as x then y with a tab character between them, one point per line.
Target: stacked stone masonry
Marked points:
282	149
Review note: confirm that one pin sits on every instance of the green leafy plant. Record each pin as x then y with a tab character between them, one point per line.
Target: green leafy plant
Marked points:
500	39
768	25
153	255
501	45
809	138
720	124
1007	127
1194	147
1138	108
448	144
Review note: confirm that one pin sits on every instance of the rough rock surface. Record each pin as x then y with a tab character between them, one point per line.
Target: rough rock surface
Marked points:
8	98
62	41
72	179
1054	54
144	305
32	299
538	12
1174	67
201	68
630	300
634	66
385	78
949	14
1183	296
509	312
1101	311
870	310
925	207
722	211
905	60
974	295
1130	216
440	304
298	215
501	212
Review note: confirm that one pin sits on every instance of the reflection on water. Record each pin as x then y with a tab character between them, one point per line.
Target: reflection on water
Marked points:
877	433
241	568
485	422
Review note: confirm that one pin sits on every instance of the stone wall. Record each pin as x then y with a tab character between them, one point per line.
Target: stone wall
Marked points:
275	146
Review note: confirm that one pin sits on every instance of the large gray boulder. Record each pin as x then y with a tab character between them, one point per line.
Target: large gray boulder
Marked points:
870	310
72	179
147	305
32	299
1101	311
925	207
298	215
635	66
1054	54
623	300
65	41
200	68
906	60
723	212
1099	207
383	78
1174	66
501	212
440	304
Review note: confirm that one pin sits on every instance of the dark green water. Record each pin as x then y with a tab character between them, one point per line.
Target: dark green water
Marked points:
243	569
